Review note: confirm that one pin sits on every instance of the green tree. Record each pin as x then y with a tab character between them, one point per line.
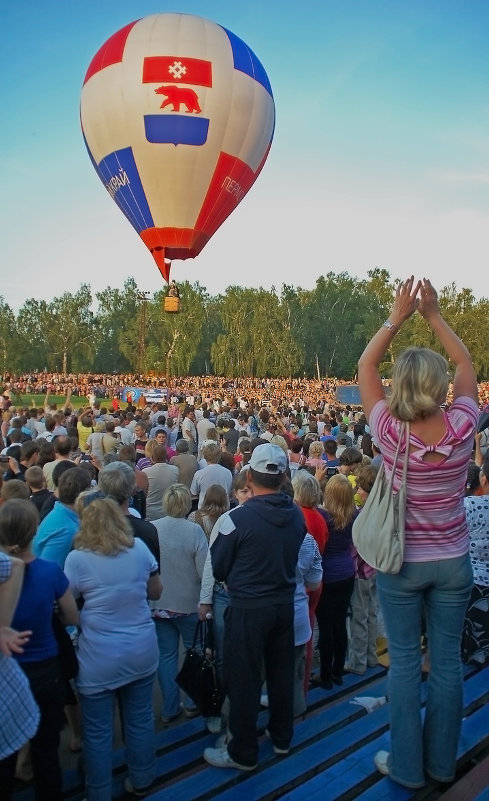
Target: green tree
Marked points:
469	319
377	294
118	318
331	312
242	332
72	331
275	351
33	321
232	352
8	340
211	328
294	303
173	340
58	335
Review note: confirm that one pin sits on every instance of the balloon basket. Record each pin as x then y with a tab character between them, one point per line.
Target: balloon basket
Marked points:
172	305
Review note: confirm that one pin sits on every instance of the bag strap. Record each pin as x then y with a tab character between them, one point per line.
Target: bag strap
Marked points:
404	429
209	636
204	636
199	635
406	455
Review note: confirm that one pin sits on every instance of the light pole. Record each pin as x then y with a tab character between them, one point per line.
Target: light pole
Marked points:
143	299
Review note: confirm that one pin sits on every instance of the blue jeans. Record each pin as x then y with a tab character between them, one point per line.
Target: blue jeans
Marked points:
168	632
220	602
136	709
442	590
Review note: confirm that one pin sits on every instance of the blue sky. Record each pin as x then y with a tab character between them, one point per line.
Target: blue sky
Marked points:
380	156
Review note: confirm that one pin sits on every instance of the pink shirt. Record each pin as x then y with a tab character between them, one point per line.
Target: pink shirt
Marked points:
435	516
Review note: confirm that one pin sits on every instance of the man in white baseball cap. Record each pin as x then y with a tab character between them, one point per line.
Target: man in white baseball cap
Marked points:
255	554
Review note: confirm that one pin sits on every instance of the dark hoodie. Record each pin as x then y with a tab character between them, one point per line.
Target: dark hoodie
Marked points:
257	559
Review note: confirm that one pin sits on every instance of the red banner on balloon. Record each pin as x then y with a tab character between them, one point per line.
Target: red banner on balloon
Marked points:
177	69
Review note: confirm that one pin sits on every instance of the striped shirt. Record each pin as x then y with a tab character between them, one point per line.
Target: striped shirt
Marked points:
436	527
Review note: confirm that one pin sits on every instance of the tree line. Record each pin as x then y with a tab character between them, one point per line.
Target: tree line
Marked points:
243	332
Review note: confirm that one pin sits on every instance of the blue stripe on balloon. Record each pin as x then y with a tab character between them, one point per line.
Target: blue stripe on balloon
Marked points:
246	61
119	174
176	130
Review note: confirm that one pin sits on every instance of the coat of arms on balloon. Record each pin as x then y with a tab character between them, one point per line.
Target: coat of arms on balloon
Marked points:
178	117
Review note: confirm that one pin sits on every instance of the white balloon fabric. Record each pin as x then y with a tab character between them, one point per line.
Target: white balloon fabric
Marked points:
178	117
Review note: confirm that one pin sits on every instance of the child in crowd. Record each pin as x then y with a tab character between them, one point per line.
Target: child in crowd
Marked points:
363	603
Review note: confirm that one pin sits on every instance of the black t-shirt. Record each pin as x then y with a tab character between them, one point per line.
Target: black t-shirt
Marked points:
47	506
231	437
38	498
147	533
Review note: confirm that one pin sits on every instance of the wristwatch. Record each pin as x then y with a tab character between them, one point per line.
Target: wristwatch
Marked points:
390	326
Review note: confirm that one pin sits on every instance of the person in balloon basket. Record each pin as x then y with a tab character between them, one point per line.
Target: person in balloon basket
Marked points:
173	290
255	554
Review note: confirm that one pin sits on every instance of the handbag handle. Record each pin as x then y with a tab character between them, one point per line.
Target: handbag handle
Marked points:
404	428
204	636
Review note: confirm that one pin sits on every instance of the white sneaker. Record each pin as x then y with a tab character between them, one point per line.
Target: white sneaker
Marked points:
381	760
219	758
223	740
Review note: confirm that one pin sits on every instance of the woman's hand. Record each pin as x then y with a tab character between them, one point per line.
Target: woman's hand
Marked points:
406	301
428	303
321	471
204	610
12	641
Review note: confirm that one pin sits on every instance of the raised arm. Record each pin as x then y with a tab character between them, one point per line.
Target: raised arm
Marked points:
369	381
67	401
465	380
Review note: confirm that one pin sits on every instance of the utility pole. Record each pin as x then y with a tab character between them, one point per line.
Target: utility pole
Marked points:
143	298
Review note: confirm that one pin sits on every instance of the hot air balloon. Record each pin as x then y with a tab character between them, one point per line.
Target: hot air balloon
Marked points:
178	117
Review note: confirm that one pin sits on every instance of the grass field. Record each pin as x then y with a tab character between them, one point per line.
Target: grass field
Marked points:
38	401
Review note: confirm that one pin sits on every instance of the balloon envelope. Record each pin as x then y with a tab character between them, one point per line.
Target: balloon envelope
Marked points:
178	116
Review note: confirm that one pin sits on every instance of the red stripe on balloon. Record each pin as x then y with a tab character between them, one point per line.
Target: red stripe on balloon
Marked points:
231	181
111	52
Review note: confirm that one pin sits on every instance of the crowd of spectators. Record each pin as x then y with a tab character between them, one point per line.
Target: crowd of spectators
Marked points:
144	473
211	389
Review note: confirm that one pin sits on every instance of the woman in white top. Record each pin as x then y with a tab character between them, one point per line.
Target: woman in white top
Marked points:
183	549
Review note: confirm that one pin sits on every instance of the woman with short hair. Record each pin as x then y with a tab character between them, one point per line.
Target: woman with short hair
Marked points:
183	548
315	456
